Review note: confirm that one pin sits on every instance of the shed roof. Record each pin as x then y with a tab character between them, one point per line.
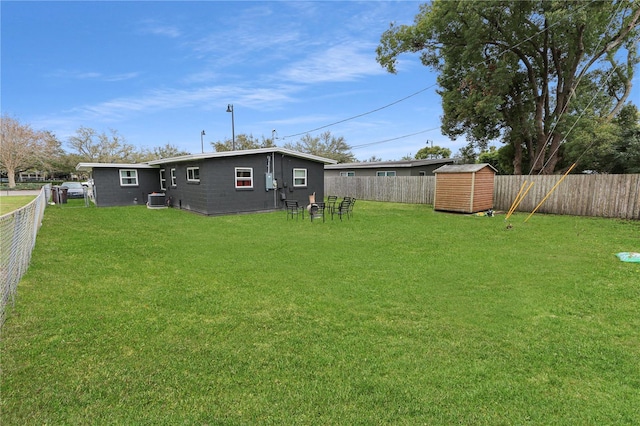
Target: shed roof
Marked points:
463	168
204	156
381	164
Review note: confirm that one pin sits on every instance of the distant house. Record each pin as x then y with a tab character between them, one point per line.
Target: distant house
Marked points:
213	183
387	168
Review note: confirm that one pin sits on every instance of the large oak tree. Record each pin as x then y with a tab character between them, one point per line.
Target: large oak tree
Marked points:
514	69
22	148
324	145
91	146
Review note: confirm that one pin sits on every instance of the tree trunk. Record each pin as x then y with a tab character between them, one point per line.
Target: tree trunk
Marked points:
553	157
517	157
11	175
538	153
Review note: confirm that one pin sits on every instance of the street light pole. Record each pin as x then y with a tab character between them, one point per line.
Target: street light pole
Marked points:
202	140
233	130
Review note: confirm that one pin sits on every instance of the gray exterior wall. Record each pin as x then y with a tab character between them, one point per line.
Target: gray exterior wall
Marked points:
109	192
286	189
216	192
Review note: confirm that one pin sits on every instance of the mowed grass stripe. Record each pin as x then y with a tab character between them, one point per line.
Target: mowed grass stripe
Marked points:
399	315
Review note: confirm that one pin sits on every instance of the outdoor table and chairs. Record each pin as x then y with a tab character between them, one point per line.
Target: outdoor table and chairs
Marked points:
315	210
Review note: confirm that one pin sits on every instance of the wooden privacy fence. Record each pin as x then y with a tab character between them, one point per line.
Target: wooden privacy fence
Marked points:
398	189
581	195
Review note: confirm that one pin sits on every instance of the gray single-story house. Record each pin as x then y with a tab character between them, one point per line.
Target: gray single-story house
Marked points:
387	168
213	183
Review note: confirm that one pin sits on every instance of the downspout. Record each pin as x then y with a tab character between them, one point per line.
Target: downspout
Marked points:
275	189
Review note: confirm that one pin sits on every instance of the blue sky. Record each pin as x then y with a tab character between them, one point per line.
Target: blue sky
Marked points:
161	72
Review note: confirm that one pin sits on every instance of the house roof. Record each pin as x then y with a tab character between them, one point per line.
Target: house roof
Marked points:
463	168
275	150
382	164
85	167
204	156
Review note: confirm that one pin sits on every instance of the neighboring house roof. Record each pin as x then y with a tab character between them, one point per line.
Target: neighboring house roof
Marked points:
463	168
382	164
207	155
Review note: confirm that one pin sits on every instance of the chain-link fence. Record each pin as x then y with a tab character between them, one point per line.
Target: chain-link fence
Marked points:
18	231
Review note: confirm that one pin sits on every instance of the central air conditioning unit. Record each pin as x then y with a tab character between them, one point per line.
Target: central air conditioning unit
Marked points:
156	201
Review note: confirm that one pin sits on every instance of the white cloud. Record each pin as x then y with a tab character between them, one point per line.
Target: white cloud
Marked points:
174	99
344	62
156	28
94	75
121	77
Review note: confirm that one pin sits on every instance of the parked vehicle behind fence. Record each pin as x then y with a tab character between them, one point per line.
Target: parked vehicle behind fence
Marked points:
74	189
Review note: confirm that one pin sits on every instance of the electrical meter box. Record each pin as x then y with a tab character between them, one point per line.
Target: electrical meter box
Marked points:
269	182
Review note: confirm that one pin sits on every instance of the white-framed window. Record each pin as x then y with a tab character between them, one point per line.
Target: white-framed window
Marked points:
244	177
163	180
173	178
386	173
347	173
299	177
193	174
422	173
128	177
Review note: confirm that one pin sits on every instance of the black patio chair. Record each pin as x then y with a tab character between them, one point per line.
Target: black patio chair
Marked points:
342	209
317	210
331	202
351	204
294	209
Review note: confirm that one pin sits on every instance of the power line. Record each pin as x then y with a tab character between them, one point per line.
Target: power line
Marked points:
363	114
393	139
564	110
497	55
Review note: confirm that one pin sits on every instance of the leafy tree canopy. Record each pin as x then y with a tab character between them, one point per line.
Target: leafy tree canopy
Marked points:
243	142
22	148
91	146
520	70
603	146
498	158
325	145
433	152
159	152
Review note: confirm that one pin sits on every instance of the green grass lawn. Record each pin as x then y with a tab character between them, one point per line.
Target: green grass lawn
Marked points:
14	202
401	315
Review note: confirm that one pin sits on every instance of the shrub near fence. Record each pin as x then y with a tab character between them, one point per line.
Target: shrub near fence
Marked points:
18	231
616	196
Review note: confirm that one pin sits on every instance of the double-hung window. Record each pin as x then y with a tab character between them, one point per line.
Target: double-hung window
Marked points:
386	173
173	178
344	174
244	177
163	180
299	177
128	177
193	174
